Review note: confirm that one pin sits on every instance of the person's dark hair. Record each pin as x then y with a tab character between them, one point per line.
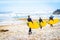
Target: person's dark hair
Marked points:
39	17
28	15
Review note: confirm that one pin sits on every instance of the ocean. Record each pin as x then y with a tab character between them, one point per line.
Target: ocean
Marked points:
12	16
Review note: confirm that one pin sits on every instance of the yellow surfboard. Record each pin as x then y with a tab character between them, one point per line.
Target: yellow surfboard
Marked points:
43	24
51	22
54	21
33	25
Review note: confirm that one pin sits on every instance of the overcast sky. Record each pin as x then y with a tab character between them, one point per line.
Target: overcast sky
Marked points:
29	6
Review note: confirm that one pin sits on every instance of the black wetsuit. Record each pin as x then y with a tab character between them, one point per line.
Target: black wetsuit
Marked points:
29	20
51	18
40	20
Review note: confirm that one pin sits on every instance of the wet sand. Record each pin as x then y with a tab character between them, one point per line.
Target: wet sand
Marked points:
20	32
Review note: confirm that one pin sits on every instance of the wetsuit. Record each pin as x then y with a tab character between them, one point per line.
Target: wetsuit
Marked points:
29	20
40	20
51	18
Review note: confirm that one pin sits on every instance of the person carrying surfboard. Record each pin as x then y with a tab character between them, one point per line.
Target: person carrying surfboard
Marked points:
51	18
29	20
40	20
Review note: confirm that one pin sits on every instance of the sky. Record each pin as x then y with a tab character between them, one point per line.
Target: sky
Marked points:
29	6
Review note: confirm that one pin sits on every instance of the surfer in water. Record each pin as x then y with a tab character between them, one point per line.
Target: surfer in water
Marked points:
29	20
40	20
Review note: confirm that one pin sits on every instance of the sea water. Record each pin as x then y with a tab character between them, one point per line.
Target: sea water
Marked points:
9	18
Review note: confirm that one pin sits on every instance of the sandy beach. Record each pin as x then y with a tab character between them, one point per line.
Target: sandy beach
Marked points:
19	31
29	19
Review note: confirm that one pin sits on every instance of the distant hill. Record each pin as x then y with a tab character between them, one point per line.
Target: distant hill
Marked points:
57	12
